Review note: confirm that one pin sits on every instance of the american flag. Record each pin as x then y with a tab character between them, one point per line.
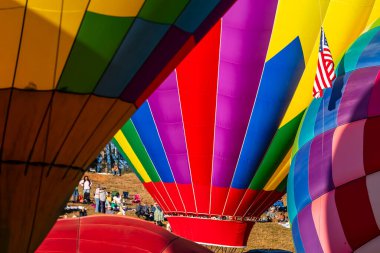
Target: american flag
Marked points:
325	70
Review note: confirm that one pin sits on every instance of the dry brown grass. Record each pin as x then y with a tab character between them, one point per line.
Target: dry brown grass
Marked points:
263	235
270	235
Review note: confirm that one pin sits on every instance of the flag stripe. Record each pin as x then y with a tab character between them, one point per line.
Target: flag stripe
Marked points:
325	69
322	71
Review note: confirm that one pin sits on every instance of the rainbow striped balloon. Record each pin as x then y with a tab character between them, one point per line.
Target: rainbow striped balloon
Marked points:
334	180
212	144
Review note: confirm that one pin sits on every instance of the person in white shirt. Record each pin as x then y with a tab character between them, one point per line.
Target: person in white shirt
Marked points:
86	184
117	199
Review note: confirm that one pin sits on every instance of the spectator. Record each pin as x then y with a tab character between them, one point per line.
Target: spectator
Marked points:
102	199
75	194
115	170
151	212
86	184
142	210
117	199
109	197
158	215
136	199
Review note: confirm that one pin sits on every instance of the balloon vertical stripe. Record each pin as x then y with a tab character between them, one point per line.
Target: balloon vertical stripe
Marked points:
238	69
197	96
174	144
235	105
320	165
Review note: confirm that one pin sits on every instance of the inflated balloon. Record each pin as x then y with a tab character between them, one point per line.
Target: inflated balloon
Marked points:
71	74
189	143
206	144
114	234
334	181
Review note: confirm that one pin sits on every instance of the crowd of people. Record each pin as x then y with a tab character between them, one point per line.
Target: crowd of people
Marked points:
112	202
276	213
151	213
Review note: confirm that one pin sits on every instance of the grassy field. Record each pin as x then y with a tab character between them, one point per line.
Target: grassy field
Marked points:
263	235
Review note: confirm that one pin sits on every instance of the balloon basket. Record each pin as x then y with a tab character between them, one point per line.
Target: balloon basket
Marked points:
227	234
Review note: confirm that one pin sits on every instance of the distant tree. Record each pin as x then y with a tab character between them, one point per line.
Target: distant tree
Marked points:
107	157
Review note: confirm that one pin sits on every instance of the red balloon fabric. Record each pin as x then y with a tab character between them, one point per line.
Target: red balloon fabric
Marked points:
114	234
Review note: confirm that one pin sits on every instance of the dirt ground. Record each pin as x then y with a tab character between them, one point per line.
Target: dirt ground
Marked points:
263	236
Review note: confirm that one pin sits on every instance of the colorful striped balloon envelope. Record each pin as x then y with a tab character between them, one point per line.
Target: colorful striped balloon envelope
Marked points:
71	74
333	184
212	144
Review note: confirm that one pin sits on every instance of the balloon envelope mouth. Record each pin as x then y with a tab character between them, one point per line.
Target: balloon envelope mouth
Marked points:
207	231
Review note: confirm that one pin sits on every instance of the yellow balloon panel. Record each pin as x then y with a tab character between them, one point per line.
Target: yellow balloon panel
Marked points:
343	22
297	18
39	42
118	8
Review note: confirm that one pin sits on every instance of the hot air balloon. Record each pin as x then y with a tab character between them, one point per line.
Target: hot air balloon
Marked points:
71	74
333	183
114	234
212	144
